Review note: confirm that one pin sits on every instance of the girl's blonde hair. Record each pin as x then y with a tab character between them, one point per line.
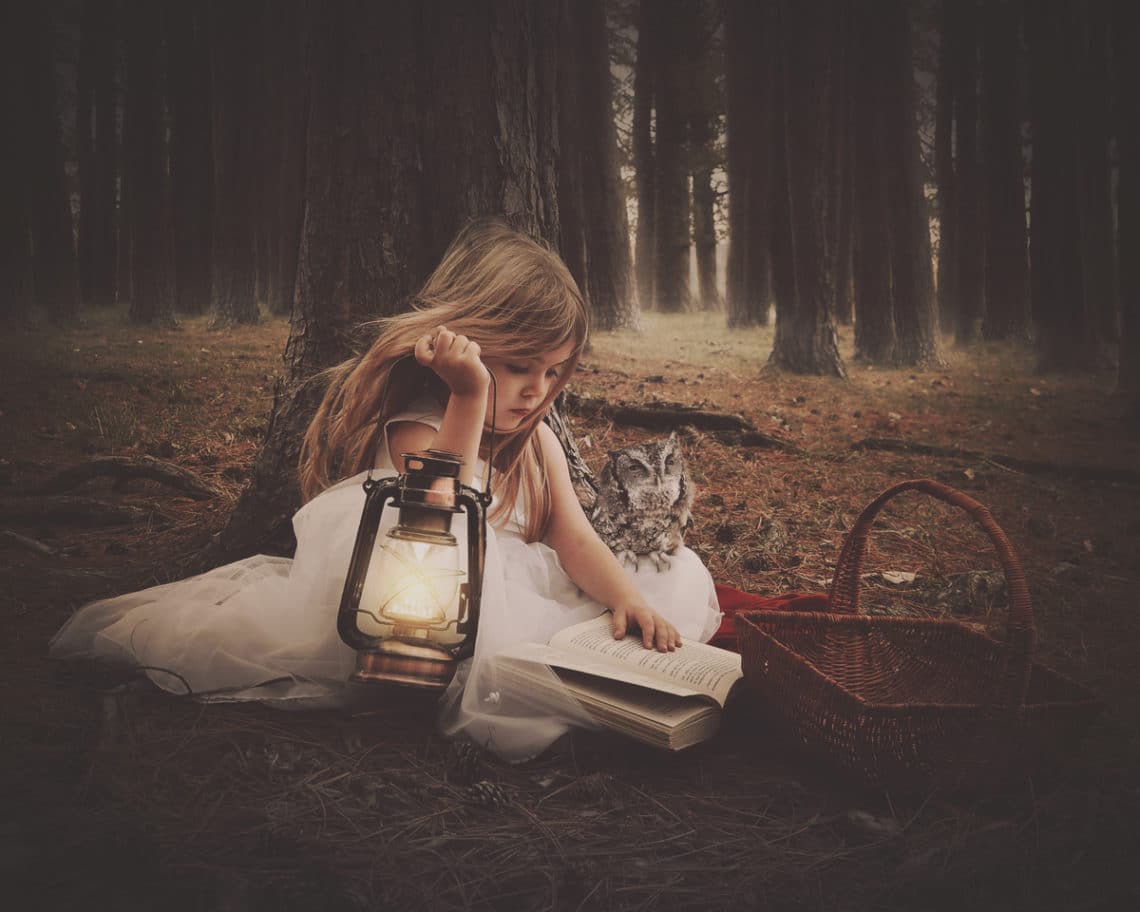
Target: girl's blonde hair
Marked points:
512	296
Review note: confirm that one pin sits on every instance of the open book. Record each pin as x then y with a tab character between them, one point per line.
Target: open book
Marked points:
667	699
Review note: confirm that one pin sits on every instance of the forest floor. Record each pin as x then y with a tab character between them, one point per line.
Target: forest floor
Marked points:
116	796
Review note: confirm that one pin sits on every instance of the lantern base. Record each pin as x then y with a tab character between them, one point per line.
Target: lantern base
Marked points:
410	664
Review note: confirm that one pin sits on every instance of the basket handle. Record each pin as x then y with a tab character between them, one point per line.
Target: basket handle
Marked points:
1020	632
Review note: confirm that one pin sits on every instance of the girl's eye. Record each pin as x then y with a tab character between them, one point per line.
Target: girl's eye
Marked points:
552	374
517	368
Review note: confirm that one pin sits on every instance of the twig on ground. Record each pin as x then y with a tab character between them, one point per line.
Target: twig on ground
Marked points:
24	541
127	467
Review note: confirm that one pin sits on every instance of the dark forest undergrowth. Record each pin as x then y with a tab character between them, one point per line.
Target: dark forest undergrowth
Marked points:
117	797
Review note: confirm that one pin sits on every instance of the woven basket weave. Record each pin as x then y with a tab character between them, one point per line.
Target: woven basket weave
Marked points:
913	701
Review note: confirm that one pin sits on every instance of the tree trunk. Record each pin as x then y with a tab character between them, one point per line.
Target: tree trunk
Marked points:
875	337
1098	257
16	60
945	176
1126	35
234	37
1007	266
571	167
970	210
672	83
912	281
419	119
748	77
85	146
839	228
702	126
49	205
96	142
191	163
151	288
643	158
1066	338
104	245
609	277
806	340
286	102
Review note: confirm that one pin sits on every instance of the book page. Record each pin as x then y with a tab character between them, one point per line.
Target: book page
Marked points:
697	666
590	664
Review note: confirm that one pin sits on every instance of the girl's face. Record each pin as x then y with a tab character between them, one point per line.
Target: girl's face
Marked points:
523	385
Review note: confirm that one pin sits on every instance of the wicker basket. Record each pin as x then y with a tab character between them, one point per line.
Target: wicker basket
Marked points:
913	702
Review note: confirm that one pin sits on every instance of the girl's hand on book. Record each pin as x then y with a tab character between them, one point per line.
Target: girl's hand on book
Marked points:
656	632
456	360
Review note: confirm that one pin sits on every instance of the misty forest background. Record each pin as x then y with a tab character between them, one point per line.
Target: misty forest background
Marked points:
914	168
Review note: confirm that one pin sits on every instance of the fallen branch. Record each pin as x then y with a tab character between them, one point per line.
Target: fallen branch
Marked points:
77	511
1031	466
24	541
126	467
657	417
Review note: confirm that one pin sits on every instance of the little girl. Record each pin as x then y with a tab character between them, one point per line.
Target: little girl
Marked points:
265	628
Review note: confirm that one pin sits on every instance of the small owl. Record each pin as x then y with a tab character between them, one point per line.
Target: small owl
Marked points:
644	500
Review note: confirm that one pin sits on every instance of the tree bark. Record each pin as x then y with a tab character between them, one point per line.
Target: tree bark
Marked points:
913	284
234	40
806	340
419	119
875	337
152	292
1007	266
191	162
748	77
609	276
672	83
644	161
54	265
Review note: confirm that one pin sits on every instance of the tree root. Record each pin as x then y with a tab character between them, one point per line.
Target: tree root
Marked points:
77	511
126	467
1029	466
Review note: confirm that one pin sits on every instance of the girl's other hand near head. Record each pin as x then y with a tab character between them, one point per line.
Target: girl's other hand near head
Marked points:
456	360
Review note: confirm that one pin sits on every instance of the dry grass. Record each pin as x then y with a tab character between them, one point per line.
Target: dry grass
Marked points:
121	798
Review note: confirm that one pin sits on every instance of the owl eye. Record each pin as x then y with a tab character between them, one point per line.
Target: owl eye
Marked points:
637	468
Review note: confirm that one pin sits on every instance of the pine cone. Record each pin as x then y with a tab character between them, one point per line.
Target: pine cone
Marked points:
463	762
489	794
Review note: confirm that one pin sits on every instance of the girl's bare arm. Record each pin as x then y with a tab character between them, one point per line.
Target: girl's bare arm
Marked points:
588	560
456	360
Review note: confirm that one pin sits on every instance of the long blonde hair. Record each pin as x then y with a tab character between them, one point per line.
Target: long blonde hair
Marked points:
503	290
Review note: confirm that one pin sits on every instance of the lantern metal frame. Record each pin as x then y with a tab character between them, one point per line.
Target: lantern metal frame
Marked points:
427	495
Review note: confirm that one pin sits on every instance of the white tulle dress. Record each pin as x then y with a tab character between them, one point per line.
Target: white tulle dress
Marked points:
264	628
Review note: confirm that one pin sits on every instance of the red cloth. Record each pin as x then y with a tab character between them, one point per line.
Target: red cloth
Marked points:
734	600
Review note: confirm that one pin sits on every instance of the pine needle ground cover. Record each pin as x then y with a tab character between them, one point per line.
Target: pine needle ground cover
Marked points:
119	797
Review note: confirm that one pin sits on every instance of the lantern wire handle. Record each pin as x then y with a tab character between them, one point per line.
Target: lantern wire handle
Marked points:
384	404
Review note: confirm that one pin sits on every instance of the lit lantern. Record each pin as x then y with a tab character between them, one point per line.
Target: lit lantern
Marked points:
410	606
